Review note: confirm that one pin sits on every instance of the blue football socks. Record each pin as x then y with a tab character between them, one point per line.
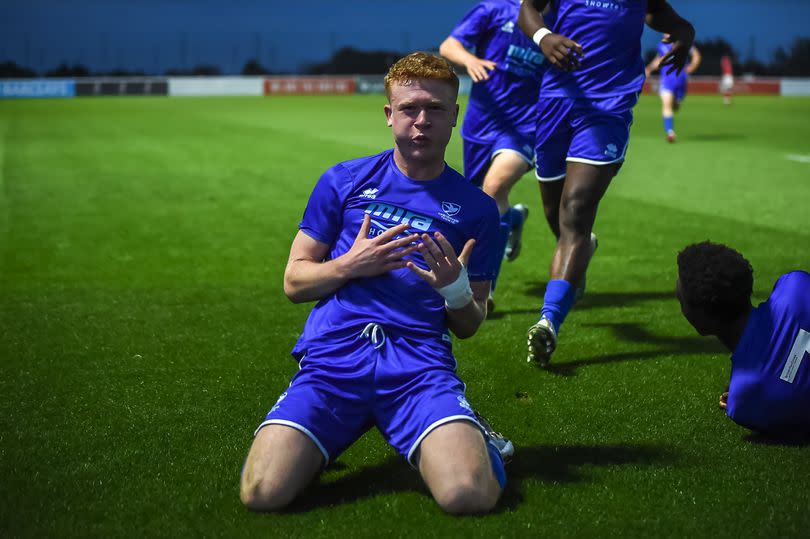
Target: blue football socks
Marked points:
515	217
498	467
669	123
558	300
504	228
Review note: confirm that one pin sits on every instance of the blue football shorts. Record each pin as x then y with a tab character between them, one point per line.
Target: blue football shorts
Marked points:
675	85
404	386
581	130
479	155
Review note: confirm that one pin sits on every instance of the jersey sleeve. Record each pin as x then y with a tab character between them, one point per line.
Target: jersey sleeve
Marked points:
473	26
323	216
745	404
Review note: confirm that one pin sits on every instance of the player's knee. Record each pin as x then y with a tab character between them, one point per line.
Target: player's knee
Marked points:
263	494
467	496
578	212
497	187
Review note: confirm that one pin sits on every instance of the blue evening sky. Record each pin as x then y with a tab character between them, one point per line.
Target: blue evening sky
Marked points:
154	35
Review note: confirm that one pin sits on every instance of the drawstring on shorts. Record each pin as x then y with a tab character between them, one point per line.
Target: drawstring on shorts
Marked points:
374	332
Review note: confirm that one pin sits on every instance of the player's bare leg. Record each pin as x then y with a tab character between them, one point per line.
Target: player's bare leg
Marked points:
551	194
282	461
504	172
668	108
584	187
506	169
455	463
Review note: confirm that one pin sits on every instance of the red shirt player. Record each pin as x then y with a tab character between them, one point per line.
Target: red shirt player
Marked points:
727	80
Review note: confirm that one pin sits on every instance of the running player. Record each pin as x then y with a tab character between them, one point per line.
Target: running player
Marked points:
769	388
673	85
584	114
727	78
498	130
377	248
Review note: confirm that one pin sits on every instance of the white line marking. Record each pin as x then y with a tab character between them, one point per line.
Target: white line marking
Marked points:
798	158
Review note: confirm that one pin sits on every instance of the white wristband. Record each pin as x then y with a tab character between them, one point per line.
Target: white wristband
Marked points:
540	34
458	293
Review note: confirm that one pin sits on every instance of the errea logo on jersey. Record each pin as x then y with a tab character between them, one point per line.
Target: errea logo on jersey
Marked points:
611	150
399	215
508	27
370	193
278	402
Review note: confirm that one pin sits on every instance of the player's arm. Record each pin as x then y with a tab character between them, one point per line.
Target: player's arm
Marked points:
309	276
465	322
478	68
662	18
560	51
652	67
695	63
465	302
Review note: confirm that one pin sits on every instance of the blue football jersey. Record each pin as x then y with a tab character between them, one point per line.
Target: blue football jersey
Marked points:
610	34
770	367
398	300
667	77
506	101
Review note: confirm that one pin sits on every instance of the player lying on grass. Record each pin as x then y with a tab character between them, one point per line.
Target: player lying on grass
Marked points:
584	113
769	389
377	248
498	129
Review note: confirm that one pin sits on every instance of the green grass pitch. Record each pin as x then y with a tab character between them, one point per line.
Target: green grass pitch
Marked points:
144	332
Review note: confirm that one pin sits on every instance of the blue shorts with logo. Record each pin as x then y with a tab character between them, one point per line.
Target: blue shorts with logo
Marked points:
674	85
582	130
479	155
406	387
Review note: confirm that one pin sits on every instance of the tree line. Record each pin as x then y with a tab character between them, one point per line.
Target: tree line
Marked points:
793	61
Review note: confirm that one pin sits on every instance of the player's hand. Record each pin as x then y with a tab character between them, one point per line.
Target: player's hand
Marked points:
441	258
369	257
479	68
682	39
723	400
562	52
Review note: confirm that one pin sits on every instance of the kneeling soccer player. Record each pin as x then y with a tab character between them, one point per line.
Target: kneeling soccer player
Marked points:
377	248
769	390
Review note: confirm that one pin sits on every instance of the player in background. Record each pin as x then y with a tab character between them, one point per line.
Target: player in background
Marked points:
584	112
377	249
498	130
726	78
769	388
673	86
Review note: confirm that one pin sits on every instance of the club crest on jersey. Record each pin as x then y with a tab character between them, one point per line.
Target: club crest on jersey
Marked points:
399	215
370	193
449	209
